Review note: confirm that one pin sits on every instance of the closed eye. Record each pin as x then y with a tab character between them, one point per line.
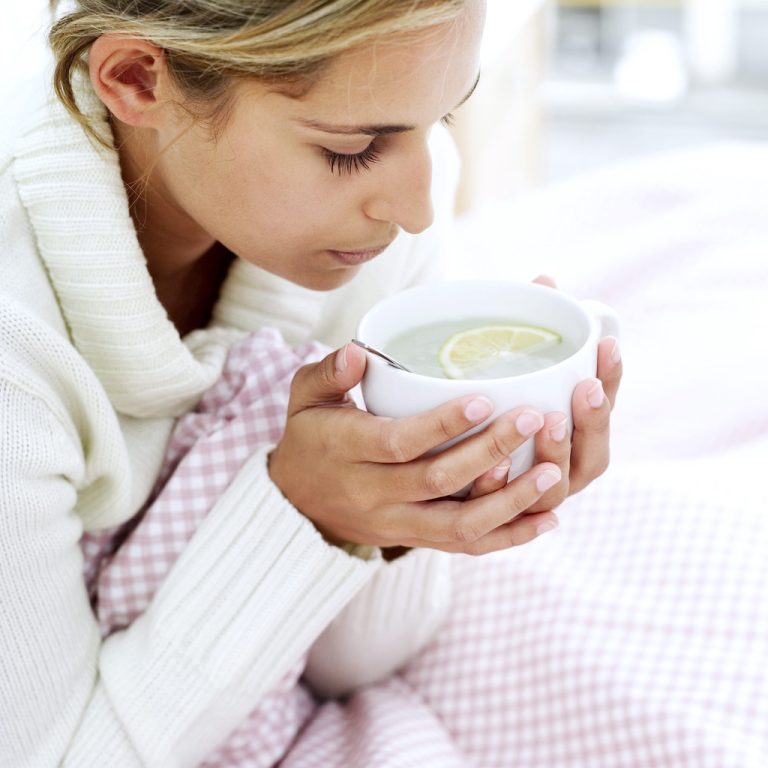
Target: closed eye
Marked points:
342	163
353	163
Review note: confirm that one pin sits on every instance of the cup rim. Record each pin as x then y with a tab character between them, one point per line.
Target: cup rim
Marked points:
429	287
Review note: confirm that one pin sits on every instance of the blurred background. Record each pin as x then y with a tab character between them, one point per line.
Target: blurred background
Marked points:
568	86
572	85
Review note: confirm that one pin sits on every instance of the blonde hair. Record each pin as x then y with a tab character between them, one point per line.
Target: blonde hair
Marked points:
209	43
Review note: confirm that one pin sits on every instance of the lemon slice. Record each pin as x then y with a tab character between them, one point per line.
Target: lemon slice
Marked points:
469	352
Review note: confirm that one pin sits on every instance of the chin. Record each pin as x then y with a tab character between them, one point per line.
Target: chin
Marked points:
318	280
327	280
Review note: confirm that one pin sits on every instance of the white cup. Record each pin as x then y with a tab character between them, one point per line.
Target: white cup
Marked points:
388	391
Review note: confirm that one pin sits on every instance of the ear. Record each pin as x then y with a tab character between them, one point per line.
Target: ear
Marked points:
127	75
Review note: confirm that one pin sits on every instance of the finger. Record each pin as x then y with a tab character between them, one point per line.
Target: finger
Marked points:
520	531
491	481
457	524
553	445
432	477
397	441
590	451
545	280
609	367
328	381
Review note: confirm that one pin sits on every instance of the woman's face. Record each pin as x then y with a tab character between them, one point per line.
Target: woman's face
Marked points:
311	188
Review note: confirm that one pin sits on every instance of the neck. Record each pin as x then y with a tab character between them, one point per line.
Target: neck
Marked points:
186	264
171	240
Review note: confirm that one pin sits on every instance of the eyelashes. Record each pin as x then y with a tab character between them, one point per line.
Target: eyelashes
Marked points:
347	164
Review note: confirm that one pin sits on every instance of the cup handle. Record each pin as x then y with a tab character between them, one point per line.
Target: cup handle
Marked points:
607	317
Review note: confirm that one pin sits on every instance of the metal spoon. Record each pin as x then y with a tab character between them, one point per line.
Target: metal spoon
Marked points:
380	354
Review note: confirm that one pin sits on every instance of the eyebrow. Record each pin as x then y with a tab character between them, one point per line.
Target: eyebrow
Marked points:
373	130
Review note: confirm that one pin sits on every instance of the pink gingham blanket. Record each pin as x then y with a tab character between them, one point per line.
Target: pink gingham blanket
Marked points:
635	635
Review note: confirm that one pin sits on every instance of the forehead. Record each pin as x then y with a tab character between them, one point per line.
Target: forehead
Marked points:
413	77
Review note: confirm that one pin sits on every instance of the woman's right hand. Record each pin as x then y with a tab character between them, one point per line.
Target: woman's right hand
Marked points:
365	479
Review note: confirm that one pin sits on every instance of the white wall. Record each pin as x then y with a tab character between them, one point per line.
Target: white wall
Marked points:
22	39
24	59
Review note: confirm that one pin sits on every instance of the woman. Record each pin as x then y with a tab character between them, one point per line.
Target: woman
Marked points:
216	167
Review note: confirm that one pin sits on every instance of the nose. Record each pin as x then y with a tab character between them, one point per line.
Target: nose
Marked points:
403	194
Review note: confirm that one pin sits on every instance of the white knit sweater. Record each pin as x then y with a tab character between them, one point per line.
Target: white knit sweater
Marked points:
92	375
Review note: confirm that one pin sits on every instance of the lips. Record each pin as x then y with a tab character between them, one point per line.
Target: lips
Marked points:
353	258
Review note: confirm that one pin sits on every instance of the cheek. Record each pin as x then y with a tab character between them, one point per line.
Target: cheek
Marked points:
263	195
236	191
291	200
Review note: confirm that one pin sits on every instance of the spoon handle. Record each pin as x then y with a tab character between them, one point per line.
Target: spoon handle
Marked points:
380	354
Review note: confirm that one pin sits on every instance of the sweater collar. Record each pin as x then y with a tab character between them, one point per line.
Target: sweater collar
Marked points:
77	205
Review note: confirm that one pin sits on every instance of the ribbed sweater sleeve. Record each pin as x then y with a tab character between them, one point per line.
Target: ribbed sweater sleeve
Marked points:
254	588
390	620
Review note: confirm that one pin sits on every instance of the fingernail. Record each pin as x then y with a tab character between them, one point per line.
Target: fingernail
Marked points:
616	353
502	470
547	479
546	526
529	423
478	409
340	362
557	433
595	396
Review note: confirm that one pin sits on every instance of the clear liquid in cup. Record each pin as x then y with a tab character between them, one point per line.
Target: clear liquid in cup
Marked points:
478	348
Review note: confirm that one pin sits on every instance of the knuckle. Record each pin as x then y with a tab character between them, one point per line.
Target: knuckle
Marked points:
601	422
557	453
438	481
512	537
518	503
350	492
387	526
326	374
445	429
361	497
467	532
497	446
604	422
392	445
484	485
313	374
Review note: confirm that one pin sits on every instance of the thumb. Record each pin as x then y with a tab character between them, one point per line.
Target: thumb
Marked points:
329	380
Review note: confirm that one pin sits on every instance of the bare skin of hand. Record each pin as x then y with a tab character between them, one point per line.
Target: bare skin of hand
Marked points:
366	479
582	456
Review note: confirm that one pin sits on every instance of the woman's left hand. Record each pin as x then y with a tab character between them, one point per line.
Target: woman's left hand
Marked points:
585	456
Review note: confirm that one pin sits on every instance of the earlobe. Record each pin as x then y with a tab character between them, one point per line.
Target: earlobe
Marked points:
125	73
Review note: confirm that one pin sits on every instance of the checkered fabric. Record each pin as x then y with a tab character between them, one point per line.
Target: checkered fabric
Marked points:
635	636
242	412
124	566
